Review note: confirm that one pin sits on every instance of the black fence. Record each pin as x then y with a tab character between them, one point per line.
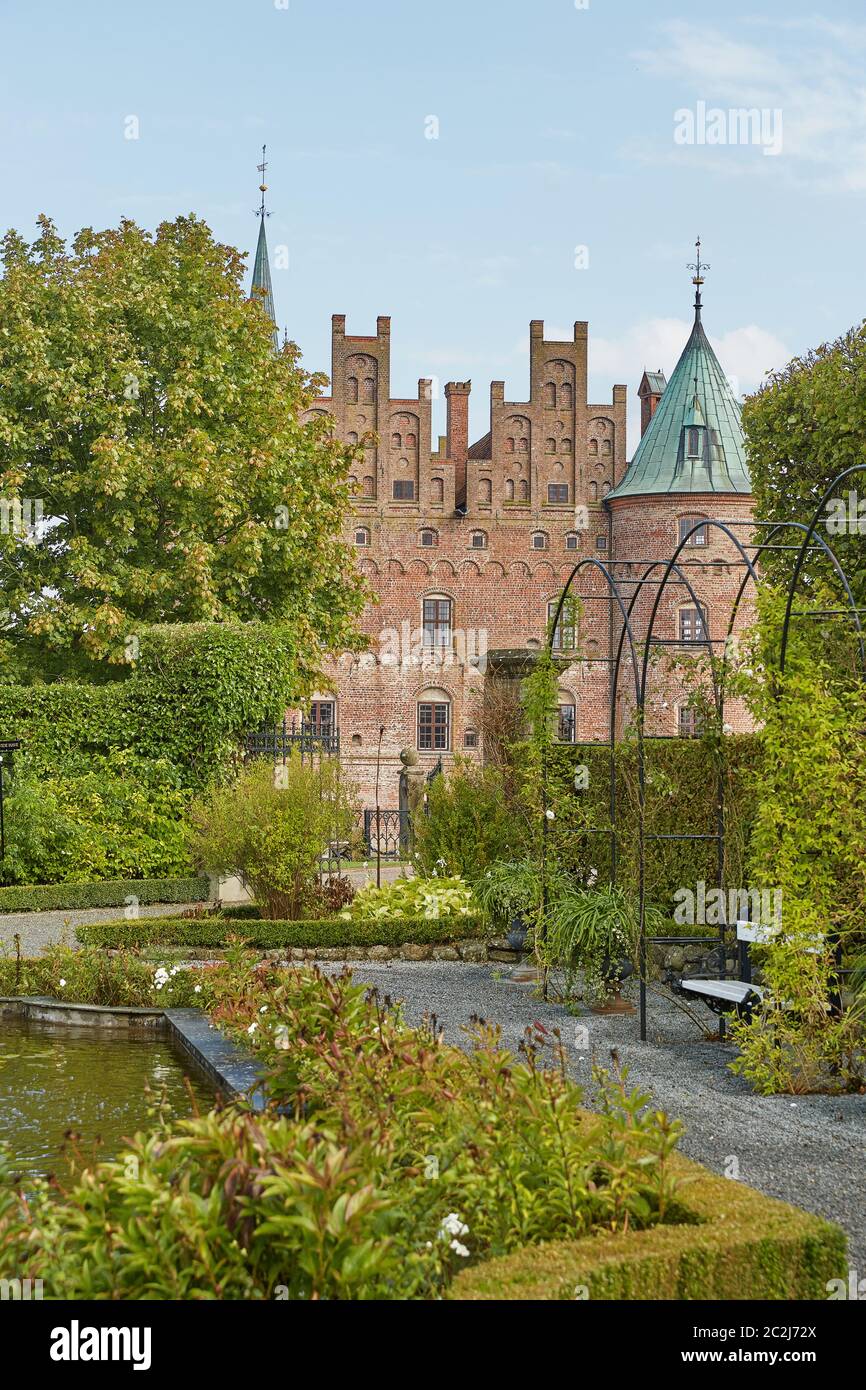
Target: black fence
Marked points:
386	832
278	741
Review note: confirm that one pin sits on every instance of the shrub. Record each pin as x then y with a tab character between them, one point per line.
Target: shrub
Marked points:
271	936
89	976
469	823
271	828
425	898
108	893
122	818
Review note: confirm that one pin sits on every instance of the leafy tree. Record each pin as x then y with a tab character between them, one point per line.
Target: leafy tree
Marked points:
805	427
143	408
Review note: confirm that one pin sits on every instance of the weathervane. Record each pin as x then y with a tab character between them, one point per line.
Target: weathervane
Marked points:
698	278
263	187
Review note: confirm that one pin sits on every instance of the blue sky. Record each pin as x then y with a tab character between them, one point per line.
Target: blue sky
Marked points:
555	130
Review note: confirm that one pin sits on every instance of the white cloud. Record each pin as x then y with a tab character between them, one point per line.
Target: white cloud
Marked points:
808	70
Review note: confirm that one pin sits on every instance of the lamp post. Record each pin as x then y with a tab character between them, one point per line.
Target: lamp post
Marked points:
378	815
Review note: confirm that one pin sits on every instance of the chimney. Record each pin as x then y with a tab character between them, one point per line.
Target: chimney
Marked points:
651	390
457	427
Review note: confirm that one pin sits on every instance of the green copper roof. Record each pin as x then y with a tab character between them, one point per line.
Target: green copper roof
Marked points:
697	398
261	286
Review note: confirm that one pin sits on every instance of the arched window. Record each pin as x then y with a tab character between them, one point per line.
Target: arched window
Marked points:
692	624
550	446
548	395
566	718
566	396
593	448
523	446
524	490
434	722
437	615
362	536
369	390
593	492
566	446
605	489
351	437
437	490
509	490
411	441
429	538
698	537
485	490
509	446
695	443
352	390
396	441
607	448
369	487
565	634
470	738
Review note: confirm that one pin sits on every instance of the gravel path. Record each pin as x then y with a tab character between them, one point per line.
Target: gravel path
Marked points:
808	1150
41	929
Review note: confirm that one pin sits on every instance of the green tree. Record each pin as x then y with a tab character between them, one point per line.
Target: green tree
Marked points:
143	408
805	427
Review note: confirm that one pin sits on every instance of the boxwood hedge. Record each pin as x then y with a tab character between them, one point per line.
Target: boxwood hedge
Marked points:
108	893
745	1247
215	932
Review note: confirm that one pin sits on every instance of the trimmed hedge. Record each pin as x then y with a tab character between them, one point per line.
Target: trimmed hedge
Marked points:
269	936
109	893
747	1246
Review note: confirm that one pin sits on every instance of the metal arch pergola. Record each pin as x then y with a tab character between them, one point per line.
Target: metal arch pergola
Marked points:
674	573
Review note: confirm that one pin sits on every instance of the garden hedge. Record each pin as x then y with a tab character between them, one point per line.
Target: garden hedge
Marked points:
109	893
267	936
745	1247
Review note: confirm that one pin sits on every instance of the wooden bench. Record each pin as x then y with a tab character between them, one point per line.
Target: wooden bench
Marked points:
741	996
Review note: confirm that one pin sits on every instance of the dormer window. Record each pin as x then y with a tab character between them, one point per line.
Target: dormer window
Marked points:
694	443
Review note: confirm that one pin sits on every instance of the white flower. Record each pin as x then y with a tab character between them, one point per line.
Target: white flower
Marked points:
263	1009
282	1039
197	989
453	1226
551	815
252	1028
62	984
459	1249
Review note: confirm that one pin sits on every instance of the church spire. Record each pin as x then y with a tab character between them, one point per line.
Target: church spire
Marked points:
261	285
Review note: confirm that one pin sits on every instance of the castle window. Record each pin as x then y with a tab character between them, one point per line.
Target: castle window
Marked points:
565	635
693	625
509	490
607	448
694	449
557	493
437	490
485	490
566	396
572	541
524	490
699	537
429	538
689	722
411	441
593	448
539	541
601	542
351	437
404	490
323	718
396	441
548	395
566	446
550	446
362	536
479	540
567	731
509	446
352	390
369	390
470	738
605	489
368	487
434	725
437	623
593	491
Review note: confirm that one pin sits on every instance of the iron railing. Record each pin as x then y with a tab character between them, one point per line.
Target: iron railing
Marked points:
278	741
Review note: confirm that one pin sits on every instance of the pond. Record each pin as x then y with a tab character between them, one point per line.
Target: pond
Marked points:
99	1089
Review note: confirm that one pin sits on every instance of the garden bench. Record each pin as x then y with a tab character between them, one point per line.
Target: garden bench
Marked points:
726	996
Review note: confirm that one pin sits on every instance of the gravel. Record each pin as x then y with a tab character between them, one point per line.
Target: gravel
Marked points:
808	1150
41	929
